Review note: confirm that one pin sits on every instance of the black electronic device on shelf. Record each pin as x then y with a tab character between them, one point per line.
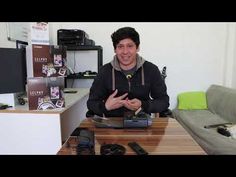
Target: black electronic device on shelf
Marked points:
83	75
88	73
73	37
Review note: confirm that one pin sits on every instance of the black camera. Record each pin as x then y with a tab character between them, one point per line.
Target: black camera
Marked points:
223	130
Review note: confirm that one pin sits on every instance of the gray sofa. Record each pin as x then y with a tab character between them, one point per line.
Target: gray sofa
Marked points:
221	103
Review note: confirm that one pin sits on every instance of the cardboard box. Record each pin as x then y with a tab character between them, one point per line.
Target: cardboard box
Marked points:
46	61
45	93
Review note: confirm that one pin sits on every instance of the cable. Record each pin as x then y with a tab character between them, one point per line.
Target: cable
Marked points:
74	61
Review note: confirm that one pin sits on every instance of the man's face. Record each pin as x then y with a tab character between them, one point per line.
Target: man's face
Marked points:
126	52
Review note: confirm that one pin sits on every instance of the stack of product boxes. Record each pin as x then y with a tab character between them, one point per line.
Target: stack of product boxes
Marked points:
45	70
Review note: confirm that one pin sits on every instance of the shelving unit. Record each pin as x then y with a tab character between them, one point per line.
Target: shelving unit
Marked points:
84	48
99	50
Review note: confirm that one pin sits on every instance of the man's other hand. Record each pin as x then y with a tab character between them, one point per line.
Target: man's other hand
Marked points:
133	104
115	102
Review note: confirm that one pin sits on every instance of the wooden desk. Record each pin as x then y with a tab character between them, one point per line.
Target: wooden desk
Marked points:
165	137
24	131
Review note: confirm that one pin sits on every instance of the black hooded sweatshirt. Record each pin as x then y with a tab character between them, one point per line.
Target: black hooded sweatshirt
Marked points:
146	84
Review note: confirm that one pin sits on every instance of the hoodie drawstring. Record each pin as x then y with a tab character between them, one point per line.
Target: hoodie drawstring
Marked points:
113	78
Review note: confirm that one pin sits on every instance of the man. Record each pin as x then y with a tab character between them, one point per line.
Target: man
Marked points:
128	82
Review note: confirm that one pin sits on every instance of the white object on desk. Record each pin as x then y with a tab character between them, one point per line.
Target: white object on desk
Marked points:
8	98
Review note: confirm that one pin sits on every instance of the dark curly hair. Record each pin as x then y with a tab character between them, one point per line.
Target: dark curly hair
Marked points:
124	33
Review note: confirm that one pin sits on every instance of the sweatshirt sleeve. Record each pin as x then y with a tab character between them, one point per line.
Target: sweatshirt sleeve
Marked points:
159	99
97	94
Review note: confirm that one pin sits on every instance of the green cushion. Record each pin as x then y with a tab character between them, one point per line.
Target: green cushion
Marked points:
192	100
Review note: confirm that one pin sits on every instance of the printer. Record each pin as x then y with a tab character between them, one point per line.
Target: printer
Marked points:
73	37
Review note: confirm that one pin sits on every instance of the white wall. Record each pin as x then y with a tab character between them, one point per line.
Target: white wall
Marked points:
196	54
3	37
230	59
234	75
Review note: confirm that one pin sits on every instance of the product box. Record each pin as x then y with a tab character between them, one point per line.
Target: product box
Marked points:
46	60
46	93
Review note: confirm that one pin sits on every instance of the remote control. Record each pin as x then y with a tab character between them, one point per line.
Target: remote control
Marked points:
137	148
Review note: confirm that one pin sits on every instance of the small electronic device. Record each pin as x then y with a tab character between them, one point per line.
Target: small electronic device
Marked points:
89	73
137	148
86	142
223	130
21	100
139	119
70	91
163	73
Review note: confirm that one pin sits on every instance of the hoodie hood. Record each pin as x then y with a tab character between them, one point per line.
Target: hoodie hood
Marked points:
115	62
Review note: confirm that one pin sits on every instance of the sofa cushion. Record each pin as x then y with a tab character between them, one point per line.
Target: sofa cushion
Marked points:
221	109
209	139
192	100
221	100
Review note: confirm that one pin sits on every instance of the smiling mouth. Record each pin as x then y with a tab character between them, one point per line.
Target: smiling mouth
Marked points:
125	57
